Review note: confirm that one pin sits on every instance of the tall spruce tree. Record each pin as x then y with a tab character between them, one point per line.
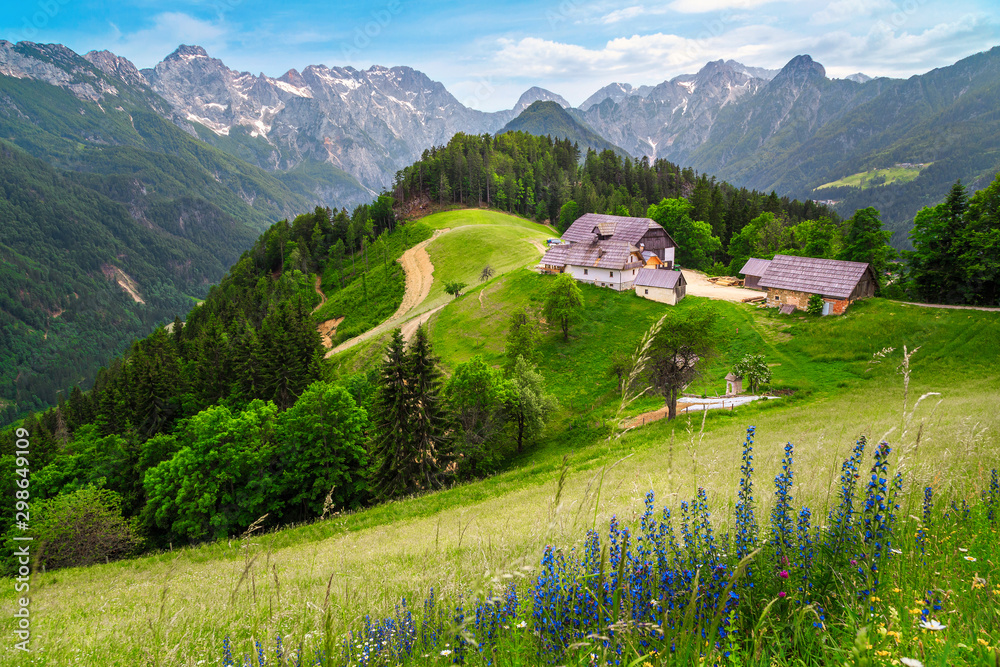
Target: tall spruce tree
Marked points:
391	443
430	422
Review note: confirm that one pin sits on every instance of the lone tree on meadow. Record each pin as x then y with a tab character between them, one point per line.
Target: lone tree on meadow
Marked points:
455	288
522	339
754	369
564	303
677	353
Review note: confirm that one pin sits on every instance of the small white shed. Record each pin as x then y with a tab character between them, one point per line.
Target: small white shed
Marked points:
661	285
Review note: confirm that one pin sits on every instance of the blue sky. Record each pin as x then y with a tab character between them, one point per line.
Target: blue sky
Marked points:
486	55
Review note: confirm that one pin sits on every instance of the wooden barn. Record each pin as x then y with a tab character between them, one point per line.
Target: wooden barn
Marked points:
661	285
753	270
790	281
644	233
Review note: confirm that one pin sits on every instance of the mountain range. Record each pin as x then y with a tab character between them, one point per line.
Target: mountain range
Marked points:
790	130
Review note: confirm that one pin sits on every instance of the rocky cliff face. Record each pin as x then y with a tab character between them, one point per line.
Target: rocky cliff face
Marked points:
671	119
370	123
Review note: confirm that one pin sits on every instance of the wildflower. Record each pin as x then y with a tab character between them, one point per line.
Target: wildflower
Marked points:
933	625
522	624
971	559
882	654
896	551
783	574
782	594
446	652
963	550
897	590
911	662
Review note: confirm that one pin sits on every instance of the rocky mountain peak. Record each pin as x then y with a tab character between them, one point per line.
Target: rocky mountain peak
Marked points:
535	94
801	69
116	66
187	51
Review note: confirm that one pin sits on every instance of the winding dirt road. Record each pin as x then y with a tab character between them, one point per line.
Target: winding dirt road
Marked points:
419	273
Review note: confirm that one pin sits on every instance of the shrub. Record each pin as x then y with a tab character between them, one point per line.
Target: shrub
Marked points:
82	528
815	305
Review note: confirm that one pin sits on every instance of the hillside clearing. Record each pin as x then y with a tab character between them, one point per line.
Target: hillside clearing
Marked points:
463	242
873	177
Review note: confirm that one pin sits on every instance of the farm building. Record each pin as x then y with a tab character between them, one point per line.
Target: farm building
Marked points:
790	281
659	285
753	270
606	263
643	233
609	250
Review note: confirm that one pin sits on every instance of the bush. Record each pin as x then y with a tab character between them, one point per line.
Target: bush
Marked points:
815	305
82	528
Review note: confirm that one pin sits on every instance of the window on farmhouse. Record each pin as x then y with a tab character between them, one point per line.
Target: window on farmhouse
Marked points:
612	273
646	291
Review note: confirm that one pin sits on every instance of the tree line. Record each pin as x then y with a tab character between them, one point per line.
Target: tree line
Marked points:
550	179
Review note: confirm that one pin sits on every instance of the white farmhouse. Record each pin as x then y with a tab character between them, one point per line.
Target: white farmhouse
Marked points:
609	250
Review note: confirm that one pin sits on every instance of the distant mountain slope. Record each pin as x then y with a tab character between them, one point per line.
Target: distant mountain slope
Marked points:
75	263
674	118
550	119
105	197
803	130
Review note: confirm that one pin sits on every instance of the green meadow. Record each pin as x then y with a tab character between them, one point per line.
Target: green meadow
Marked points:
873	177
312	582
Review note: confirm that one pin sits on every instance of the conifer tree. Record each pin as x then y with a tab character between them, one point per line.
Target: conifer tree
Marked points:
391	444
430	421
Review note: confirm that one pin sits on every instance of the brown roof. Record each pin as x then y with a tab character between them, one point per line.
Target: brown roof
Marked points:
602	254
659	278
755	267
629	230
826	277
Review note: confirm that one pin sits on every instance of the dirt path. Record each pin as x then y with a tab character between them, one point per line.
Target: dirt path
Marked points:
322	297
327	330
419	273
410	326
698	285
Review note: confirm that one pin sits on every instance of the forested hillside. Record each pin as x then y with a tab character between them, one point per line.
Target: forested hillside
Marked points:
547	118
97	193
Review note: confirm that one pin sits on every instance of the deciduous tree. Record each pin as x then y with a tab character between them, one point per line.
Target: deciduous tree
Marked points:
564	303
677	353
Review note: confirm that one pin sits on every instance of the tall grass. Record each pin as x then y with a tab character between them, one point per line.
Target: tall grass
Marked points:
863	581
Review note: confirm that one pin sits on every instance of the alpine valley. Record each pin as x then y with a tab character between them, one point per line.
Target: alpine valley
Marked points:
129	192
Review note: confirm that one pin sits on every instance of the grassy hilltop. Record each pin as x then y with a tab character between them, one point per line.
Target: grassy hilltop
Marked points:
175	608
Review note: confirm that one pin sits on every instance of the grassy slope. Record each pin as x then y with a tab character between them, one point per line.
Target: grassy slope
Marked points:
449	539
476	238
863	179
385	285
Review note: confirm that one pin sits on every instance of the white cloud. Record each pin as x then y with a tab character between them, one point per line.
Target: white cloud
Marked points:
623	14
847	10
148	46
